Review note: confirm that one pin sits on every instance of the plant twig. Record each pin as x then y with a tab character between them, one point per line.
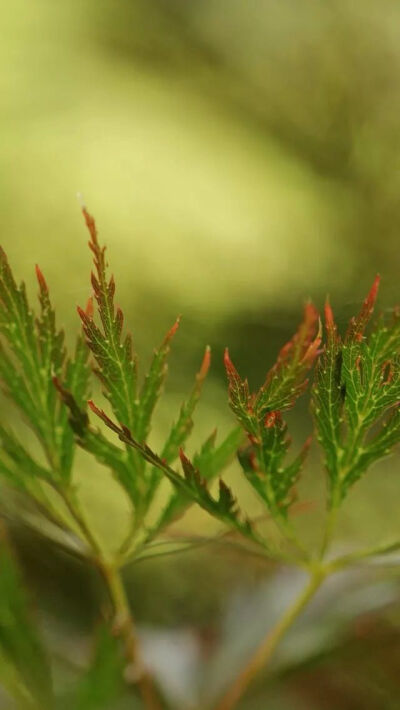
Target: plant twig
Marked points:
124	627
123	621
265	650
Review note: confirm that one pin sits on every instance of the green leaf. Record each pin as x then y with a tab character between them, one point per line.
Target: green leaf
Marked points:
152	386
19	640
191	486
210	461
327	399
50	342
182	428
15	386
260	415
264	466
356	395
33	355
93	441
117	370
240	400
102	684
287	379
77	378
115	358
284	382
17	464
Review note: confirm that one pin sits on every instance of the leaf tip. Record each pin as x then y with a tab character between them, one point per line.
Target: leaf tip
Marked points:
172	330
205	365
272	418
329	317
310	313
182	455
93	407
82	314
89	310
229	366
91	225
373	293
41	280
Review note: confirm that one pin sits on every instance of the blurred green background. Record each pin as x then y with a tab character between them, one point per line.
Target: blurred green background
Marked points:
239	157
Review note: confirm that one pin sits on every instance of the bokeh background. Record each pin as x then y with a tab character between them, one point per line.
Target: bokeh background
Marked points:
239	157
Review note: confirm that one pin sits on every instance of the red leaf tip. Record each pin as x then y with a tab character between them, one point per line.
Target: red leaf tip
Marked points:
374	290
89	310
184	459
357	325
82	314
205	365
329	317
307	443
310	314
172	330
229	366
272	418
93	407
42	281
91	225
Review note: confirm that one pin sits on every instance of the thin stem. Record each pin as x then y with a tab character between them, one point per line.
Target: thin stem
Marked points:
265	650
124	626
328	532
72	503
286	528
354	557
330	522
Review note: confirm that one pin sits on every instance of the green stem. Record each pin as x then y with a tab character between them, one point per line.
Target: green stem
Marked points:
123	620
265	650
330	522
287	531
124	626
72	503
354	557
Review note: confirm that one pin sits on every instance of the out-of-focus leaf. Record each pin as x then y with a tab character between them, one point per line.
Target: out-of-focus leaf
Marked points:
101	685
19	639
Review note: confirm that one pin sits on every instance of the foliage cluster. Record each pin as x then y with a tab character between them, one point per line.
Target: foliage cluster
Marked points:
355	395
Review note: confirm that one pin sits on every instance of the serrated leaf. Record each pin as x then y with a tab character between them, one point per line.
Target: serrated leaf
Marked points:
287	379
191	486
182	428
14	385
210	461
113	352
260	415
356	396
152	386
265	469
284	383
93	441
77	377
240	400
34	354
16	463
327	399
